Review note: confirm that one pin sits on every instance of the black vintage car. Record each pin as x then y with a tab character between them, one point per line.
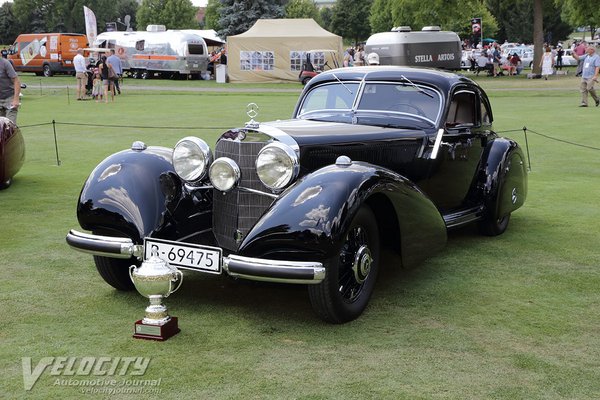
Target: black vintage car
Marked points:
372	157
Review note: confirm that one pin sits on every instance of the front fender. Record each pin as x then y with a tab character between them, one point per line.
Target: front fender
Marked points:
123	194
505	177
310	219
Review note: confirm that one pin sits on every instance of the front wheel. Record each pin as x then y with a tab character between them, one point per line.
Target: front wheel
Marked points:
350	279
5	184
115	271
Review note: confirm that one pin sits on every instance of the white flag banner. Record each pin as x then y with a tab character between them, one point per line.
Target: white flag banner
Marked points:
91	29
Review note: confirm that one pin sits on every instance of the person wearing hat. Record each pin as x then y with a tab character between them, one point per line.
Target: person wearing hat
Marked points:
373	59
589	75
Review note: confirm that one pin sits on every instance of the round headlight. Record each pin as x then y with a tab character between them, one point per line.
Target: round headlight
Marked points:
224	174
277	165
191	157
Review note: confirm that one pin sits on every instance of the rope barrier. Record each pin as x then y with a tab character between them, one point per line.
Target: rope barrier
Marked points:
54	123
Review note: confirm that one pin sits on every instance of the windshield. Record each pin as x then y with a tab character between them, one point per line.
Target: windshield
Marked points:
384	102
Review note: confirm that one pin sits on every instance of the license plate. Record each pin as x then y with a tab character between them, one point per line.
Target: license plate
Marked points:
186	255
195	65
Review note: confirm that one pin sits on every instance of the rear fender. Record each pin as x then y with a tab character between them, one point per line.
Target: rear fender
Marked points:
504	177
123	194
310	219
12	149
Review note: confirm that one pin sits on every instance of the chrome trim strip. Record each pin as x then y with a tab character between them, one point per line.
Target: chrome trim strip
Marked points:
259	192
241	188
437	144
280	135
259	269
103	245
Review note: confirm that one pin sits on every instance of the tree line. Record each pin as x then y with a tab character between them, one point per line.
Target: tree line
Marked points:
354	20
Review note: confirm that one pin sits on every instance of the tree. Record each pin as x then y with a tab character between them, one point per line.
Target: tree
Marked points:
9	29
174	14
125	8
451	15
238	16
212	15
351	19
381	16
514	20
581	13
326	15
538	35
65	15
302	9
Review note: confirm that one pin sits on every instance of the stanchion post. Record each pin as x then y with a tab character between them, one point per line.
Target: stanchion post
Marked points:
55	141
527	147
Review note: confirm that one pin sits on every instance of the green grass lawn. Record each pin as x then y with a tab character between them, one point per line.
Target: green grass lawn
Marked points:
510	317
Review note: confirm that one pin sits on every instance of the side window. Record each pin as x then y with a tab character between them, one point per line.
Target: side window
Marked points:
486	114
463	110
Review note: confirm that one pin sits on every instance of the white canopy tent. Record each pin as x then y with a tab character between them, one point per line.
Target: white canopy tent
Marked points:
273	49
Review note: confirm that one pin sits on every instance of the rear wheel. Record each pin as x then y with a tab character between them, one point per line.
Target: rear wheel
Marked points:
494	226
350	279
115	271
47	71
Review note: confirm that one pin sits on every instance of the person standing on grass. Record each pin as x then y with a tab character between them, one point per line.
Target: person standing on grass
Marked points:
10	89
547	63
104	67
589	75
80	73
115	63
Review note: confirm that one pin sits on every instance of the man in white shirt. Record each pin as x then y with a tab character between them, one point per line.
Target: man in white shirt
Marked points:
80	73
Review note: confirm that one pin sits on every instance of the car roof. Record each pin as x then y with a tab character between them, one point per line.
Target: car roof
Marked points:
442	79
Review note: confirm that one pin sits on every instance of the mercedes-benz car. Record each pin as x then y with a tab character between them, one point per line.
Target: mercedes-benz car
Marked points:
372	157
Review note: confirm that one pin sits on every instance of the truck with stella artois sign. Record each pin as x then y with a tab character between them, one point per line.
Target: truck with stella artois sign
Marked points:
430	47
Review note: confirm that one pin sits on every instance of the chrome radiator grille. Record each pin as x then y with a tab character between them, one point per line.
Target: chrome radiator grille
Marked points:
237	211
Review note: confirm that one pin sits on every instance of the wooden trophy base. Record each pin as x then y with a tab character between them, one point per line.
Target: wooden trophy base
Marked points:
156	332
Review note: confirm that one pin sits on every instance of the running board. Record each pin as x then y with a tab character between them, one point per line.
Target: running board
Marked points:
463	217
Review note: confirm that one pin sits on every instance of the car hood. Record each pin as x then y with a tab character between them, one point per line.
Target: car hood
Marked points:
308	133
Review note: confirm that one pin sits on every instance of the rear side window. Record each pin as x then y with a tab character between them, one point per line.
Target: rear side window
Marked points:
197	49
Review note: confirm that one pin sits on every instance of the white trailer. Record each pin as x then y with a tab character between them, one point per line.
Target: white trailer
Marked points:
430	47
168	53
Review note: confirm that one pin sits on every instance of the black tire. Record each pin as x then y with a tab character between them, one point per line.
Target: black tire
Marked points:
305	81
493	226
345	292
115	271
47	71
5	184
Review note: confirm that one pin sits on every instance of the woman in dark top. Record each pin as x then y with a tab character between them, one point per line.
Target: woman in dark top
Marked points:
106	83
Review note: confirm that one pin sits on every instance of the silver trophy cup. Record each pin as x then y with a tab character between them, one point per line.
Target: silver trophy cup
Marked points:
156	279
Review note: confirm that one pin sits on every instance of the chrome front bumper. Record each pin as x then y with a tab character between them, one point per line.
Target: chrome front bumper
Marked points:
258	269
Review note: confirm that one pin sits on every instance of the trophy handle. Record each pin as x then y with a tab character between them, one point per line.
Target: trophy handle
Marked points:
131	269
180	274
